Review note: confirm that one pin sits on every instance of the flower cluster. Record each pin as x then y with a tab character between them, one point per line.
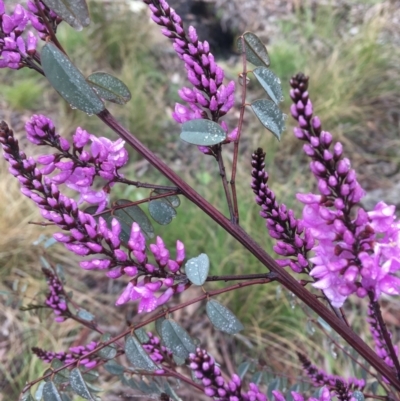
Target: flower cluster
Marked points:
77	167
75	354
36	18
342	388
205	369
56	297
377	335
15	51
87	237
357	252
208	94
294	239
157	352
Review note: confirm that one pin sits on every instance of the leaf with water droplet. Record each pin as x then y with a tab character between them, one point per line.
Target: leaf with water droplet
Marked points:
255	50
85	315
202	132
78	384
158	325
358	395
133	213
196	269
222	318
68	81
177	339
270	116
173	199
50	392
108	352
257	377
28	396
161	211
274	385
114	368
73	12
243	368
142	335
137	356
270	82
109	87
38	393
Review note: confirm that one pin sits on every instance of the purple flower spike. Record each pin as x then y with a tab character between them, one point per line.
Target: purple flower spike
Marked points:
75	355
341	387
349	256
56	298
280	222
202	71
205	369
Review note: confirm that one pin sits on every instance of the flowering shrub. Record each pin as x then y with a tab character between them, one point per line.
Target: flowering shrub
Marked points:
342	249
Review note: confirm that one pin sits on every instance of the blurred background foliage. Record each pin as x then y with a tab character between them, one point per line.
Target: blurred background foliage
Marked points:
351	52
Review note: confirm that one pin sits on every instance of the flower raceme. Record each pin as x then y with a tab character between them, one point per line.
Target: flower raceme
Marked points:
209	97
85	236
77	166
75	354
356	252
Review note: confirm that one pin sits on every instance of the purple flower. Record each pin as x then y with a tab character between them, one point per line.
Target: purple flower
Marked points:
104	160
56	298
356	252
75	354
205	370
293	240
15	51
82	234
209	98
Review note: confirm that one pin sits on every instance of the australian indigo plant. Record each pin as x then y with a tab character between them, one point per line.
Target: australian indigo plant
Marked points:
339	249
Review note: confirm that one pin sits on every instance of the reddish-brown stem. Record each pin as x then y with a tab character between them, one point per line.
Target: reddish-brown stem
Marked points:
185	379
52	35
384	331
222	173
139	184
242	237
152	319
150	198
349	354
271	276
240	126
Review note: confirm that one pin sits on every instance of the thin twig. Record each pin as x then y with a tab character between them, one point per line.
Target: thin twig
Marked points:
146	322
240	126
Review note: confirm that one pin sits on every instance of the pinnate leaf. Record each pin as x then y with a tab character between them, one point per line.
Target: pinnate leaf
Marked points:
222	318
161	211
109	87
68	81
73	12
137	356
78	384
50	392
202	132
255	50
133	213
270	82
177	339
270	116
196	269
114	368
